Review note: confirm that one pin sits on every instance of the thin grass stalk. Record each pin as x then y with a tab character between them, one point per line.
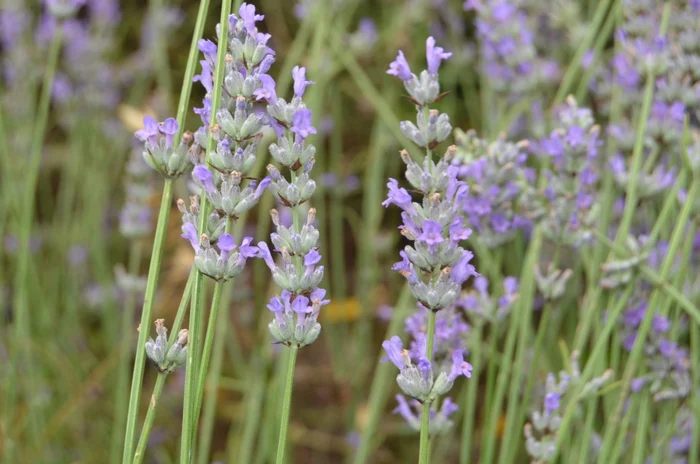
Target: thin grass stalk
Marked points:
678	234
584	46
157	252
601	40
519	325
424	457
121	399
207	349
22	323
469	403
286	404
139	365
631	193
513	435
150	418
597	352
587	430
189	418
213	379
640	434
513	441
634	358
381	380
694	453
254	399
160	58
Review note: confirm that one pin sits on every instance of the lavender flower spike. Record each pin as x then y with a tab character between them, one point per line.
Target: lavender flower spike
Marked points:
435	265
299	273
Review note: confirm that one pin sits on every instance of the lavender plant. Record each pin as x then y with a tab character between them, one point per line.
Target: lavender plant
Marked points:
436	265
297	307
584	212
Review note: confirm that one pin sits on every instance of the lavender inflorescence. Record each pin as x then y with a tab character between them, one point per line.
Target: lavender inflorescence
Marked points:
500	185
435	266
297	308
570	208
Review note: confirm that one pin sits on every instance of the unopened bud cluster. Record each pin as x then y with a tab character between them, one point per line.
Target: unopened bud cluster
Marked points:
161	151
166	357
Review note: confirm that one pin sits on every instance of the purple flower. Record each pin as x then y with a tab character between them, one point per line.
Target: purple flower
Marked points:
190	233
552	402
458	231
267	91
312	258
462	270
226	244
300	82
448	407
205	177
300	305
404	265
169	128
434	55
459	366
394	350
575	136
205	77
404	410
660	324
247	14
637	384
301	124
264	253
150	130
667	348
246	249
432	233
398	196
209	49
399	68
425	369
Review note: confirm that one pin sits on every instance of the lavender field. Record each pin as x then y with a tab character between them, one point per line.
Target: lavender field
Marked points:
346	231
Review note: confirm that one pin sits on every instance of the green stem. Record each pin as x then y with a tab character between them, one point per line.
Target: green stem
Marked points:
425	413
189	418
207	350
160	50
150	418
21	296
573	70
382	377
121	401
286	404
212	382
151	284
469	405
161	230
631	194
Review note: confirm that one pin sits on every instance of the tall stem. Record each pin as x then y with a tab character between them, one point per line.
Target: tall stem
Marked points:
161	229
121	399
21	304
189	421
150	418
425	414
286	404
151	284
